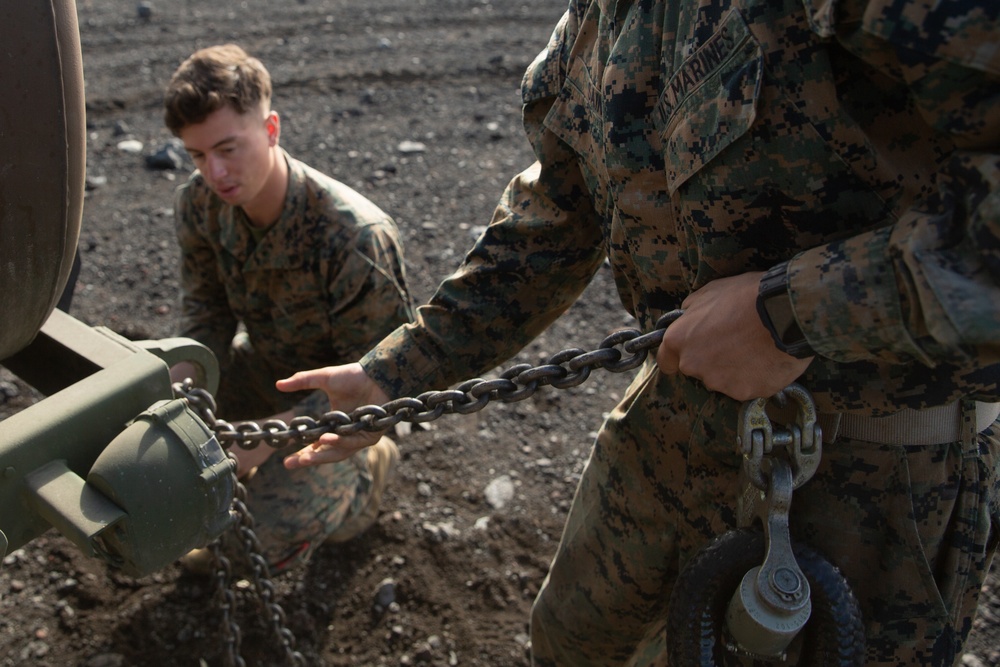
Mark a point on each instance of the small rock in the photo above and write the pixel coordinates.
(439, 532)
(423, 653)
(495, 132)
(167, 157)
(17, 555)
(385, 594)
(499, 492)
(411, 147)
(131, 146)
(94, 182)
(34, 649)
(67, 614)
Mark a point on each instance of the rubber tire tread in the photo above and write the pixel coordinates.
(833, 637)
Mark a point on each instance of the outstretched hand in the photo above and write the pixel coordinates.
(348, 387)
(721, 341)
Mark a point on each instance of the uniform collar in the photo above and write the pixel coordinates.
(279, 246)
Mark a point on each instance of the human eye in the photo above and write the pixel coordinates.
(231, 145)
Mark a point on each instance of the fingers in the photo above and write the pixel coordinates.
(347, 386)
(304, 380)
(720, 341)
(330, 448)
(667, 358)
(314, 455)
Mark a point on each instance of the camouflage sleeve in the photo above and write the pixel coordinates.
(926, 287)
(540, 250)
(205, 314)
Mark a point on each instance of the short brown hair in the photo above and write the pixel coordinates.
(212, 78)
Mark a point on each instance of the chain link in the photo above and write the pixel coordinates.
(232, 636)
(563, 370)
(263, 585)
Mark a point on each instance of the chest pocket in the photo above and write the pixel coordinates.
(710, 100)
(577, 118)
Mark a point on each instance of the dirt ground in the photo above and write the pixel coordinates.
(414, 103)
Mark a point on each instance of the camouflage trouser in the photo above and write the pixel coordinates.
(296, 510)
(909, 527)
(293, 510)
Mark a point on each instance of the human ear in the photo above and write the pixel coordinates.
(273, 125)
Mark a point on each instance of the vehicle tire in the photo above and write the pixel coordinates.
(697, 636)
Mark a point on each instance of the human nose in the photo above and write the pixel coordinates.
(215, 166)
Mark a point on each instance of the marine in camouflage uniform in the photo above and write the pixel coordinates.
(318, 286)
(692, 143)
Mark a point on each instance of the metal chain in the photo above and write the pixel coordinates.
(565, 369)
(263, 585)
(232, 636)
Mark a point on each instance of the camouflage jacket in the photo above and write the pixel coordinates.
(321, 286)
(687, 141)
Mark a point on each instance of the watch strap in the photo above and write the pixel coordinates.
(774, 306)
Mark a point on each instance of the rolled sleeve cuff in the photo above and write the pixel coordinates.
(403, 366)
(847, 301)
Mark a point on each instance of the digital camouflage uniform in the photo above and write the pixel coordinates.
(688, 141)
(317, 289)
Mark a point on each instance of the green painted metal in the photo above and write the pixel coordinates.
(157, 481)
(109, 458)
(175, 483)
(61, 497)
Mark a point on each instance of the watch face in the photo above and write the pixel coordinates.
(779, 309)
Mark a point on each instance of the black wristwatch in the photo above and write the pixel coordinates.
(775, 309)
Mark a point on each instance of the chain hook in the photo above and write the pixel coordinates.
(801, 440)
(772, 603)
